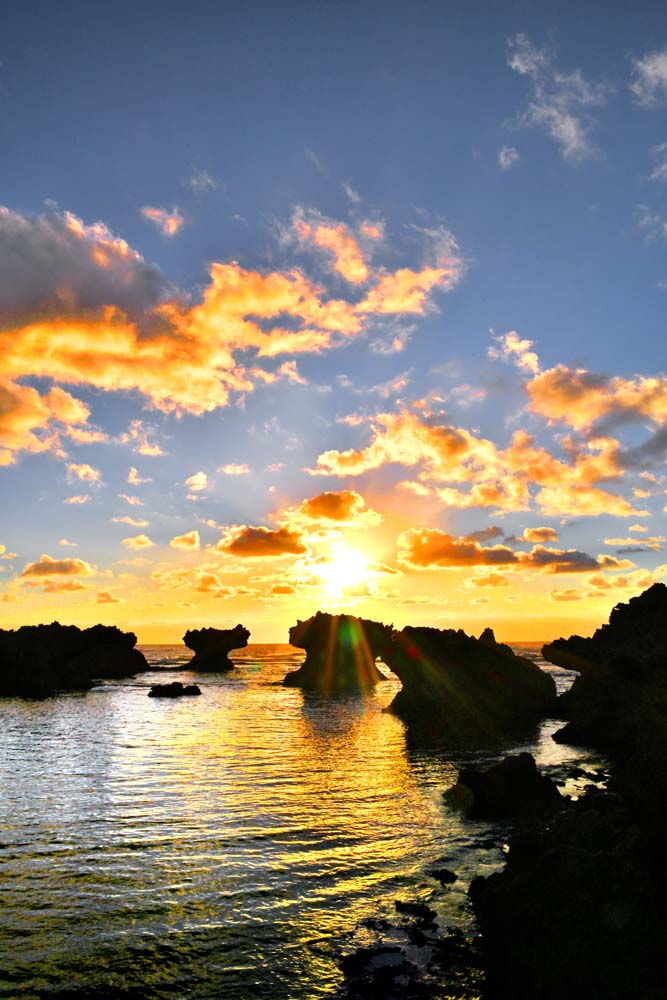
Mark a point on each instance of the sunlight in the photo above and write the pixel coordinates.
(345, 568)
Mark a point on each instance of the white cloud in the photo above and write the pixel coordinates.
(507, 157)
(559, 102)
(659, 154)
(201, 181)
(649, 79)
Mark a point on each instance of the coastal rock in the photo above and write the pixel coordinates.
(173, 690)
(511, 789)
(38, 660)
(211, 646)
(340, 653)
(576, 910)
(459, 688)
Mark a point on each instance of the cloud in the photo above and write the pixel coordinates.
(137, 542)
(104, 597)
(559, 102)
(86, 473)
(489, 580)
(507, 157)
(281, 589)
(201, 181)
(140, 437)
(234, 469)
(67, 544)
(132, 500)
(503, 478)
(47, 566)
(425, 548)
(62, 586)
(336, 238)
(539, 535)
(512, 347)
(168, 223)
(190, 540)
(659, 154)
(133, 522)
(649, 79)
(351, 194)
(135, 479)
(342, 507)
(565, 595)
(261, 542)
(79, 498)
(78, 306)
(197, 482)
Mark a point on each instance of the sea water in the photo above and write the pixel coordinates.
(226, 846)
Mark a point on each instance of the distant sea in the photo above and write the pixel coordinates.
(227, 846)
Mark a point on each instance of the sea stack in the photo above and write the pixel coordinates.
(458, 688)
(340, 653)
(212, 645)
(38, 660)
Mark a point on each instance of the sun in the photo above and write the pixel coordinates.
(345, 567)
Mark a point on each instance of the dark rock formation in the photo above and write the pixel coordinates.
(461, 688)
(38, 660)
(511, 789)
(211, 646)
(576, 911)
(340, 653)
(173, 690)
(442, 875)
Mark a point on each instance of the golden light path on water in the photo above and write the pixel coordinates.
(229, 845)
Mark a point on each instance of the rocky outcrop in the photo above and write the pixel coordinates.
(212, 645)
(173, 690)
(38, 660)
(576, 911)
(460, 688)
(340, 653)
(511, 789)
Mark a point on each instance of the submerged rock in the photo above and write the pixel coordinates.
(211, 646)
(513, 788)
(38, 660)
(173, 690)
(460, 688)
(340, 653)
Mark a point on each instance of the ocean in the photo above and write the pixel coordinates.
(230, 846)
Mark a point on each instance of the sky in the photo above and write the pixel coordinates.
(332, 306)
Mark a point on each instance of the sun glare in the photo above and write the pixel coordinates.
(345, 568)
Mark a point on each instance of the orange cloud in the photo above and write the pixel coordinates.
(581, 398)
(197, 482)
(62, 586)
(27, 419)
(511, 346)
(135, 479)
(104, 597)
(132, 500)
(234, 469)
(169, 223)
(190, 540)
(84, 472)
(348, 258)
(47, 566)
(260, 542)
(137, 542)
(540, 535)
(79, 498)
(343, 507)
(426, 548)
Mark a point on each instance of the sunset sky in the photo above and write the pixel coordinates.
(338, 306)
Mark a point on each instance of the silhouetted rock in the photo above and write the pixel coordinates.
(421, 912)
(443, 875)
(513, 788)
(457, 687)
(340, 653)
(576, 911)
(38, 660)
(173, 690)
(211, 646)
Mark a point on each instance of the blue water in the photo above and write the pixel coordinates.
(224, 846)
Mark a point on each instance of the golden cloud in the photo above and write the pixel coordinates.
(261, 542)
(197, 482)
(169, 223)
(540, 535)
(133, 522)
(234, 469)
(190, 540)
(79, 499)
(342, 507)
(105, 597)
(86, 473)
(137, 542)
(47, 566)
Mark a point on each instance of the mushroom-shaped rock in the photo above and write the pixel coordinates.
(38, 660)
(211, 646)
(458, 688)
(511, 789)
(340, 653)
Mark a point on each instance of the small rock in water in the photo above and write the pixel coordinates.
(173, 690)
(420, 911)
(443, 875)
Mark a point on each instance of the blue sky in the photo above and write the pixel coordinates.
(523, 146)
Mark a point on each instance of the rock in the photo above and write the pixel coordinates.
(510, 789)
(38, 660)
(173, 690)
(576, 910)
(420, 911)
(458, 688)
(211, 646)
(340, 653)
(442, 875)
